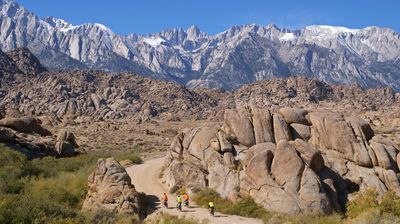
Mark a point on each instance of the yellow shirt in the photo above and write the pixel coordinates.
(211, 204)
(179, 199)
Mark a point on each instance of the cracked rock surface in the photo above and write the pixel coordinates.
(256, 152)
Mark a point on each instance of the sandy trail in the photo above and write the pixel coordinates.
(145, 178)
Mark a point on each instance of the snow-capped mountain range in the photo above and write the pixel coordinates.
(230, 59)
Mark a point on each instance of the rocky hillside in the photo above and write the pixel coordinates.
(230, 59)
(30, 90)
(305, 92)
(289, 160)
(26, 62)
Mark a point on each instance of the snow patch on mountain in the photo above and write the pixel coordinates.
(288, 37)
(153, 41)
(69, 28)
(103, 27)
(323, 31)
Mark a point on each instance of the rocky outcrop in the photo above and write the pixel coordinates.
(110, 188)
(301, 162)
(26, 62)
(27, 135)
(66, 143)
(28, 125)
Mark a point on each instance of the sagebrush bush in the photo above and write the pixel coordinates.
(368, 207)
(244, 207)
(390, 204)
(51, 190)
(362, 202)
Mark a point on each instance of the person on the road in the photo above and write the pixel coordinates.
(179, 203)
(164, 200)
(211, 207)
(186, 199)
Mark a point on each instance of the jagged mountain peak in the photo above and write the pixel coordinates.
(3, 2)
(64, 26)
(194, 32)
(10, 7)
(57, 23)
(193, 28)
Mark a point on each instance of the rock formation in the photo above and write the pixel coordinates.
(26, 135)
(289, 160)
(28, 89)
(110, 188)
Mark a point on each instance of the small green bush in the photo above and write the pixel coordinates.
(129, 156)
(390, 204)
(246, 207)
(361, 202)
(366, 208)
(13, 167)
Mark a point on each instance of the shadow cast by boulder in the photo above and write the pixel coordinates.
(152, 202)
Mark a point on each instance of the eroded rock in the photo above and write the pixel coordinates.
(316, 173)
(110, 188)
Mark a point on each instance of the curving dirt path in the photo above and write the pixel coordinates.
(145, 178)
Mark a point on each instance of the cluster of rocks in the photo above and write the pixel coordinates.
(289, 160)
(26, 62)
(110, 188)
(28, 88)
(105, 95)
(302, 91)
(26, 135)
(114, 96)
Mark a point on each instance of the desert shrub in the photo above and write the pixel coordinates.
(362, 202)
(129, 156)
(369, 216)
(390, 204)
(50, 190)
(13, 167)
(367, 208)
(244, 207)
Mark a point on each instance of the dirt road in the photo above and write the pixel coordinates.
(145, 178)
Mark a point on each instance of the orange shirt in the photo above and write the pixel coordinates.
(164, 197)
(186, 197)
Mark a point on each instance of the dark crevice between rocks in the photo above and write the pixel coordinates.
(250, 112)
(340, 186)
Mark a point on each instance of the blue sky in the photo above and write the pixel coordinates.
(213, 16)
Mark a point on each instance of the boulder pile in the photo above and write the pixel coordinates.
(291, 160)
(27, 135)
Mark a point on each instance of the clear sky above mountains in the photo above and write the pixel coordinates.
(213, 16)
